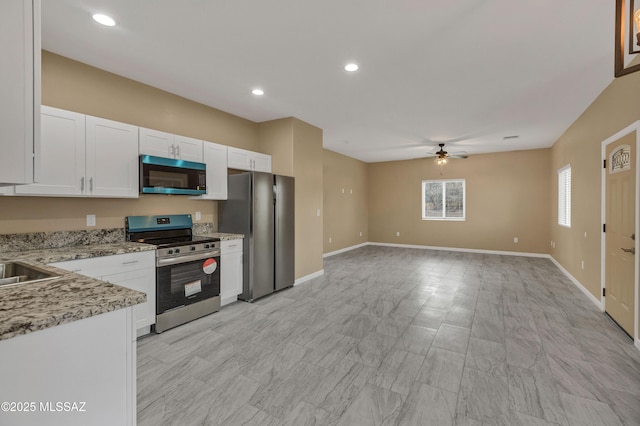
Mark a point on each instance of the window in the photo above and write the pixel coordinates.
(564, 196)
(443, 199)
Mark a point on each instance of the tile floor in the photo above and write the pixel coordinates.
(394, 336)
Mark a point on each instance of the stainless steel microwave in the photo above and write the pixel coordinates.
(159, 175)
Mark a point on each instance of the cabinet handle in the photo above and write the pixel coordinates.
(82, 184)
(172, 151)
(177, 151)
(90, 184)
(130, 262)
(233, 245)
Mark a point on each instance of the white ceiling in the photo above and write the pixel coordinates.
(469, 72)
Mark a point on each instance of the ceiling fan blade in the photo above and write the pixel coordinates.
(459, 154)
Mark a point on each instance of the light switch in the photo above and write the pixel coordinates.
(91, 220)
(198, 215)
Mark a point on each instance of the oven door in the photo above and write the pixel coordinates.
(183, 282)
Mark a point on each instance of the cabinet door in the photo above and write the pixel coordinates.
(62, 169)
(261, 162)
(239, 159)
(188, 149)
(215, 157)
(230, 271)
(112, 158)
(20, 89)
(143, 280)
(154, 142)
(132, 270)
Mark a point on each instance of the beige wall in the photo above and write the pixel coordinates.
(616, 107)
(507, 196)
(38, 214)
(276, 139)
(346, 202)
(307, 169)
(75, 86)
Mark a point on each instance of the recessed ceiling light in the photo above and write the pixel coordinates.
(351, 67)
(104, 19)
(258, 92)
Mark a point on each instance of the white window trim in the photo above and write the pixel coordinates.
(566, 208)
(464, 200)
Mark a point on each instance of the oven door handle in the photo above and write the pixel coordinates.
(188, 258)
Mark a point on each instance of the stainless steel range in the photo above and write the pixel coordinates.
(187, 267)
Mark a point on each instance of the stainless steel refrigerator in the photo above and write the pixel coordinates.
(261, 206)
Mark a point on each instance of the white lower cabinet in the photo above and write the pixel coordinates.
(231, 270)
(136, 271)
(74, 374)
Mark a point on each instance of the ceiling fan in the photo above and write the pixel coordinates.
(442, 156)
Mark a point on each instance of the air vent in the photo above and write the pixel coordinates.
(511, 137)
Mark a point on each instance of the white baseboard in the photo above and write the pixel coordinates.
(309, 277)
(342, 250)
(578, 284)
(464, 250)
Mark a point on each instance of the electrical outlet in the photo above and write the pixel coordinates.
(351, 191)
(361, 233)
(585, 234)
(515, 240)
(91, 220)
(318, 212)
(329, 240)
(582, 264)
(343, 190)
(398, 234)
(198, 216)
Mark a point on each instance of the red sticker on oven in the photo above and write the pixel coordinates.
(209, 266)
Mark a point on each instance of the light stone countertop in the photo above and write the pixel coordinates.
(31, 307)
(222, 235)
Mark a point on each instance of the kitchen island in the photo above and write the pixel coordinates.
(67, 345)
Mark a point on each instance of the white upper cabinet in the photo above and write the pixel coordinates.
(112, 158)
(243, 159)
(85, 156)
(215, 157)
(20, 91)
(62, 170)
(156, 143)
(188, 149)
(261, 162)
(162, 144)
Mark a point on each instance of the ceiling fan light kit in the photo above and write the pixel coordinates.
(442, 156)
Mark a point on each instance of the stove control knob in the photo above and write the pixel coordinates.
(207, 246)
(177, 251)
(193, 248)
(169, 251)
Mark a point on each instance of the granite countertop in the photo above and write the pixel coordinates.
(31, 307)
(222, 235)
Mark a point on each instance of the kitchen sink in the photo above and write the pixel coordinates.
(14, 273)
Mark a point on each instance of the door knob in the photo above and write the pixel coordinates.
(631, 250)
